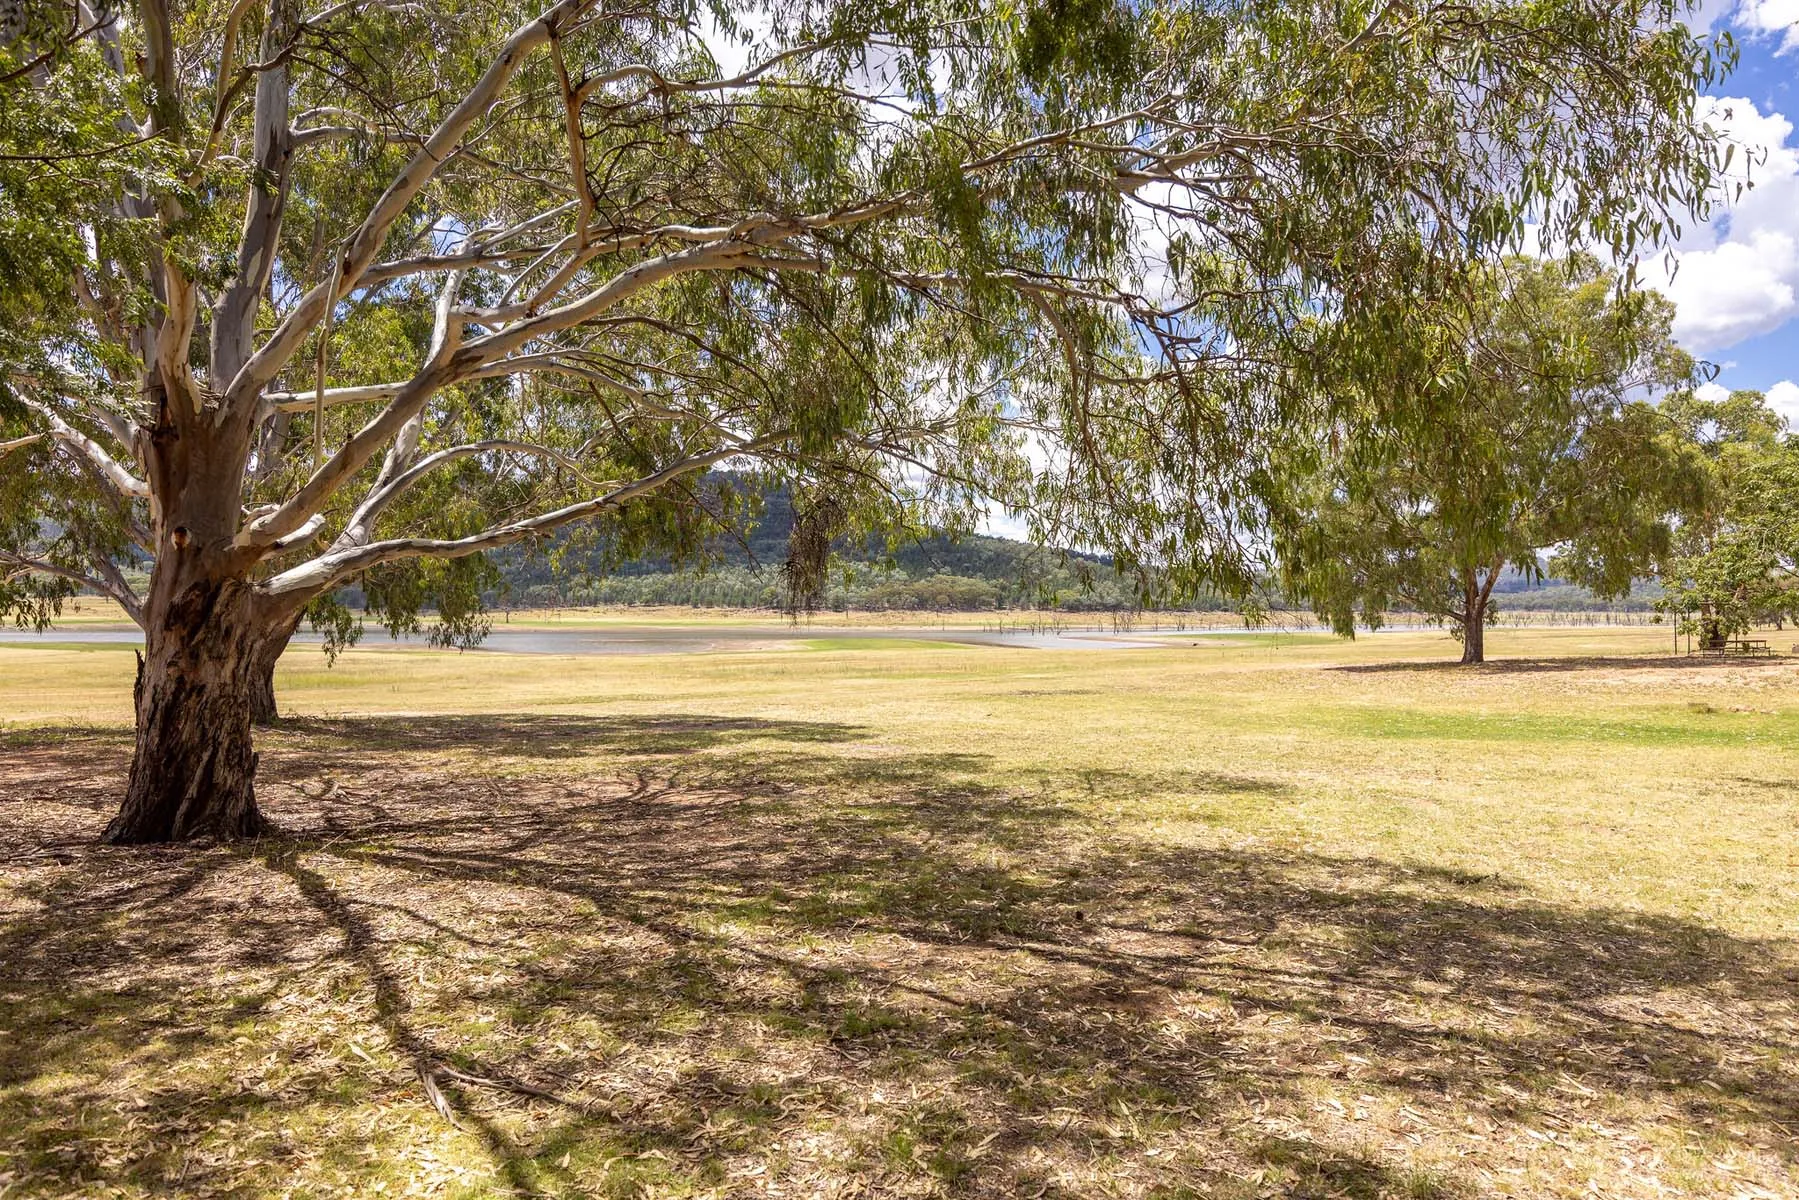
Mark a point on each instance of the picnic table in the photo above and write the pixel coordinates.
(1744, 647)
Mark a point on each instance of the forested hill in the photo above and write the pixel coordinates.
(1514, 591)
(935, 573)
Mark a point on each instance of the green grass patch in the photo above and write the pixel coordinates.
(1285, 916)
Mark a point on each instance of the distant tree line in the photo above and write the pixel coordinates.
(933, 573)
(976, 573)
(746, 588)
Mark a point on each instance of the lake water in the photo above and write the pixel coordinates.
(699, 639)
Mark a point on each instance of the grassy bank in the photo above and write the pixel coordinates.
(1245, 916)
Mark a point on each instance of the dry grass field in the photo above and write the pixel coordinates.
(1271, 916)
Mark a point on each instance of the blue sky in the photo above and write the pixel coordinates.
(1737, 286)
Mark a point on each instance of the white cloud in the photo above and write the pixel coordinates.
(732, 51)
(1707, 14)
(1783, 398)
(1770, 17)
(1739, 276)
(997, 522)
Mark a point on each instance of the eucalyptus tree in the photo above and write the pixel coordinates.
(411, 281)
(61, 143)
(1735, 559)
(1543, 439)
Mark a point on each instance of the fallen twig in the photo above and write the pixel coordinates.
(508, 1085)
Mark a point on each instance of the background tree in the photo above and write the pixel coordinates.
(416, 281)
(1734, 560)
(1536, 446)
(63, 523)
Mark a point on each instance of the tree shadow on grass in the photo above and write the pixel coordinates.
(550, 736)
(698, 954)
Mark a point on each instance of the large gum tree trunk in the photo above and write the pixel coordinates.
(266, 654)
(194, 769)
(1474, 632)
(1473, 617)
(205, 630)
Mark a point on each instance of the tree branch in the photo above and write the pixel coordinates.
(369, 512)
(298, 402)
(322, 573)
(234, 317)
(122, 594)
(120, 589)
(359, 252)
(127, 483)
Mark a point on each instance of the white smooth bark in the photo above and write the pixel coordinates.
(322, 573)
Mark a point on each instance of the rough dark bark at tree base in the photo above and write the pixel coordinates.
(263, 711)
(267, 653)
(193, 771)
(1474, 630)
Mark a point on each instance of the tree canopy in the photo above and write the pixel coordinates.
(1734, 563)
(1543, 440)
(376, 287)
